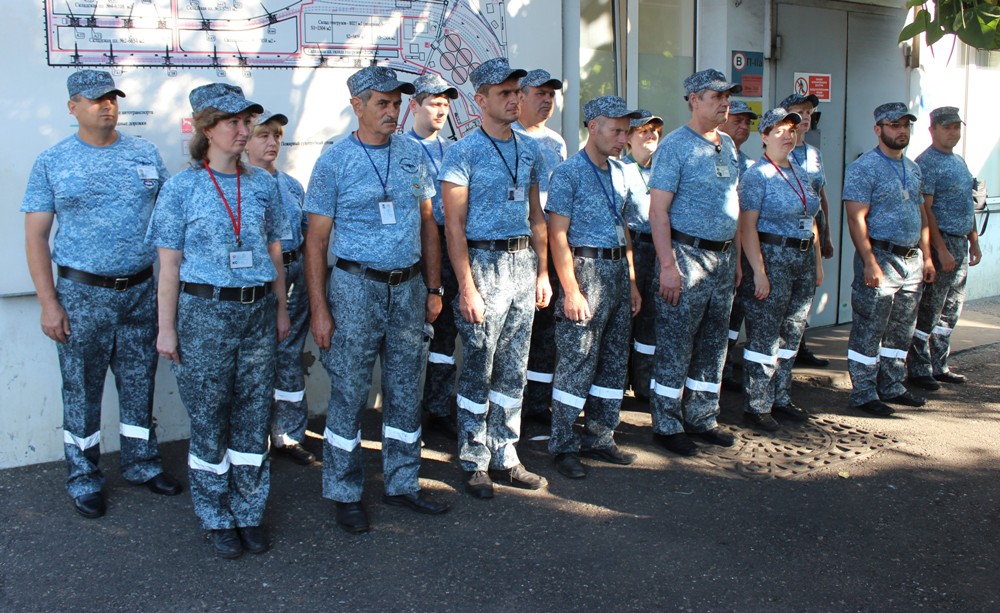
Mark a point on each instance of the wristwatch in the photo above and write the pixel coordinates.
(437, 291)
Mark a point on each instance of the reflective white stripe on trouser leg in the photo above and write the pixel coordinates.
(663, 390)
(400, 435)
(196, 463)
(83, 443)
(921, 335)
(702, 386)
(643, 348)
(470, 406)
(941, 331)
(505, 401)
(340, 442)
(759, 358)
(895, 354)
(540, 377)
(440, 358)
(606, 392)
(130, 431)
(787, 354)
(734, 334)
(289, 396)
(243, 458)
(568, 399)
(862, 358)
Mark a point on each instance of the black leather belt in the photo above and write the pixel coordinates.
(243, 295)
(604, 253)
(802, 244)
(699, 243)
(510, 245)
(906, 252)
(389, 277)
(119, 284)
(290, 256)
(641, 237)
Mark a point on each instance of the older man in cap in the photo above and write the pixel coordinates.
(693, 212)
(592, 251)
(102, 185)
(498, 245)
(951, 220)
(885, 215)
(375, 189)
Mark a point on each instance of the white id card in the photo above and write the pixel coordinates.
(904, 194)
(240, 259)
(147, 172)
(721, 169)
(805, 223)
(388, 212)
(515, 194)
(621, 235)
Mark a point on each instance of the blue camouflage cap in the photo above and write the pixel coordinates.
(945, 116)
(643, 118)
(607, 106)
(709, 79)
(892, 111)
(540, 78)
(379, 78)
(222, 97)
(495, 71)
(266, 116)
(775, 116)
(92, 84)
(738, 107)
(431, 83)
(794, 99)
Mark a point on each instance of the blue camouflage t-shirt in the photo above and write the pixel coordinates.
(473, 162)
(347, 186)
(434, 149)
(292, 198)
(702, 177)
(191, 216)
(637, 210)
(593, 199)
(947, 178)
(778, 198)
(878, 182)
(745, 163)
(809, 158)
(553, 149)
(102, 198)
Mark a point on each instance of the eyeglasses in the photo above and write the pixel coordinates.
(896, 125)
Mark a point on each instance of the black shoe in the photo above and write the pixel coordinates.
(164, 485)
(254, 539)
(479, 484)
(950, 377)
(805, 357)
(612, 455)
(926, 382)
(416, 502)
(519, 476)
(791, 412)
(569, 466)
(715, 436)
(444, 425)
(352, 518)
(90, 505)
(906, 399)
(543, 418)
(297, 453)
(732, 384)
(876, 407)
(761, 421)
(226, 543)
(678, 443)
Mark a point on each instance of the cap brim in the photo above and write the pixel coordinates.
(99, 92)
(395, 86)
(725, 86)
(264, 118)
(947, 121)
(644, 121)
(449, 92)
(553, 83)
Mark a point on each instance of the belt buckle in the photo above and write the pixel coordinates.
(395, 278)
(804, 244)
(616, 253)
(121, 284)
(725, 246)
(243, 295)
(911, 253)
(514, 244)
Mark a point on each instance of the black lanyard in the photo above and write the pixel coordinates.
(517, 160)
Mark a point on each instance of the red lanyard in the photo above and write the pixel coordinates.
(238, 218)
(801, 193)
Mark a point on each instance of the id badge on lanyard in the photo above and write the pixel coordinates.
(805, 223)
(387, 210)
(515, 194)
(240, 257)
(721, 168)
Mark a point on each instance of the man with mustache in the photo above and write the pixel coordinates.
(886, 219)
(374, 190)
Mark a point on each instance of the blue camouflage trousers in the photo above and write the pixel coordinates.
(373, 320)
(495, 359)
(884, 319)
(644, 326)
(440, 379)
(775, 324)
(117, 330)
(291, 411)
(939, 311)
(736, 317)
(592, 358)
(691, 341)
(542, 353)
(226, 382)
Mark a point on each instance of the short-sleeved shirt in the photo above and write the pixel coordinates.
(347, 186)
(475, 163)
(593, 199)
(292, 198)
(809, 157)
(637, 211)
(702, 177)
(777, 195)
(947, 178)
(745, 163)
(102, 198)
(877, 181)
(191, 216)
(554, 151)
(434, 149)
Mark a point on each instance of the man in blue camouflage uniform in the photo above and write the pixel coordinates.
(591, 248)
(693, 211)
(430, 105)
(102, 186)
(951, 220)
(489, 182)
(889, 229)
(374, 190)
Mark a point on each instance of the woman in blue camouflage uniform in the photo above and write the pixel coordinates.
(217, 226)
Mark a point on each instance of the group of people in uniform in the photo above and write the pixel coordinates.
(569, 278)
